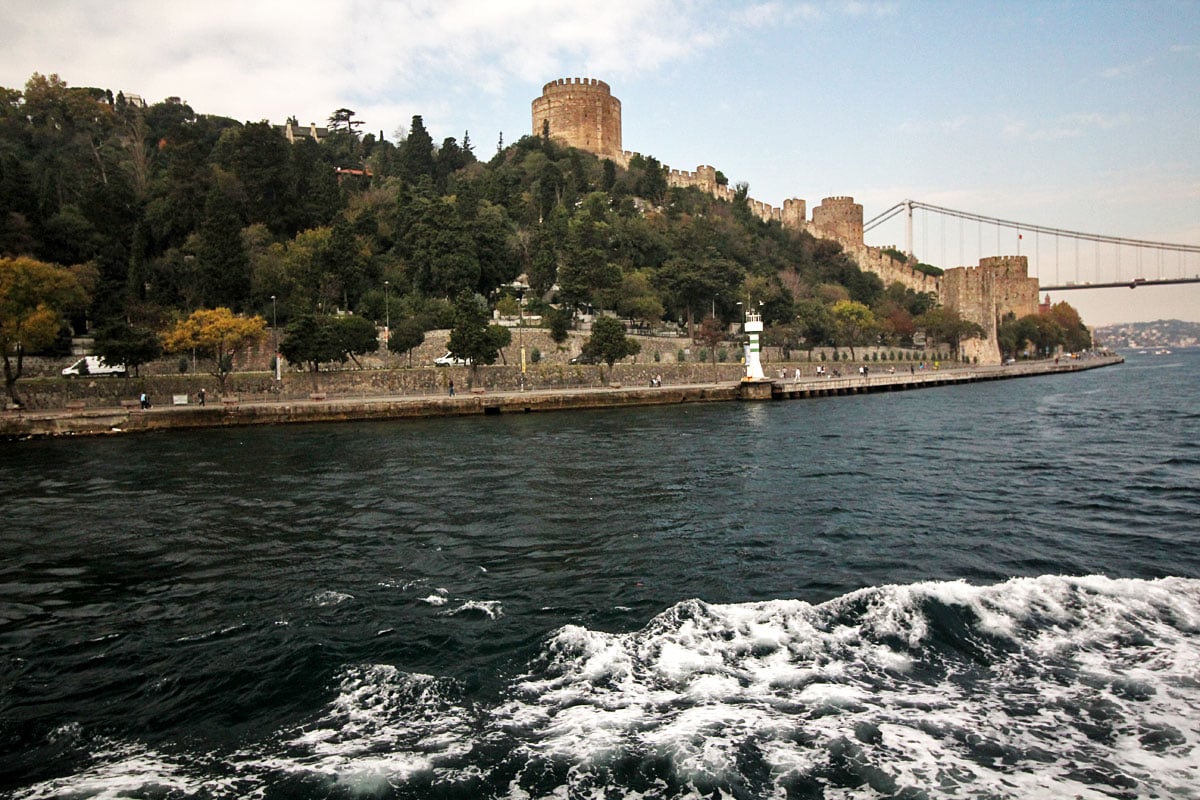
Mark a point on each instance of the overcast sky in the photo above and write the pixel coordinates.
(1076, 115)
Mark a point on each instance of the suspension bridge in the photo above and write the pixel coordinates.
(1061, 259)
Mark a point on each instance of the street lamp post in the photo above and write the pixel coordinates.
(520, 288)
(275, 338)
(387, 319)
(521, 331)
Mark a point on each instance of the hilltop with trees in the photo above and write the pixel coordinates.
(171, 211)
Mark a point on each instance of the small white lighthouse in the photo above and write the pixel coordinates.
(754, 327)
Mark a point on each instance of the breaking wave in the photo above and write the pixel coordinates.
(1051, 687)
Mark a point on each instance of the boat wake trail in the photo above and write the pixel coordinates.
(1050, 686)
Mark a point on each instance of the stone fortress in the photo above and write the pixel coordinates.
(583, 113)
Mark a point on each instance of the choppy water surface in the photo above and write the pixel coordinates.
(975, 591)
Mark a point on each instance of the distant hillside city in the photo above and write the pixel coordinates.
(1161, 333)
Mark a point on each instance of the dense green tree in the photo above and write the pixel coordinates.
(441, 251)
(637, 300)
(559, 322)
(1012, 335)
(587, 273)
(608, 342)
(710, 334)
(472, 338)
(492, 236)
(690, 286)
(815, 323)
(344, 143)
(448, 159)
(501, 337)
(224, 265)
(314, 197)
(356, 336)
(122, 343)
(310, 341)
(345, 265)
(545, 244)
(854, 323)
(415, 158)
(315, 339)
(946, 325)
(406, 335)
(548, 189)
(1076, 336)
(1044, 332)
(258, 159)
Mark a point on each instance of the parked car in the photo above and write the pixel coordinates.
(584, 358)
(93, 365)
(450, 361)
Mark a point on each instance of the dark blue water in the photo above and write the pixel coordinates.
(979, 591)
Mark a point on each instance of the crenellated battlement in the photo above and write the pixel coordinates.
(576, 84)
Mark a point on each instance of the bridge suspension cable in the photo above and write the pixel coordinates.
(1113, 245)
(1025, 227)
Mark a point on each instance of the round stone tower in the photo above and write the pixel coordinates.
(580, 112)
(841, 218)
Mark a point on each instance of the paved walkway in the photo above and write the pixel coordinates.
(22, 424)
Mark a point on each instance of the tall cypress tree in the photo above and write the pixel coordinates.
(416, 153)
(224, 268)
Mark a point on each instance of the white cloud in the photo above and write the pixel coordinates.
(271, 58)
(1122, 70)
(923, 127)
(1069, 126)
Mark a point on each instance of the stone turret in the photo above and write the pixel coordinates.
(840, 218)
(986, 294)
(582, 113)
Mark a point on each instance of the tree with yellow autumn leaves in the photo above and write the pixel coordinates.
(216, 333)
(35, 298)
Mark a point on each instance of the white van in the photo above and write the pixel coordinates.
(450, 361)
(93, 365)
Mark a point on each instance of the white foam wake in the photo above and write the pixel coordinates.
(1041, 687)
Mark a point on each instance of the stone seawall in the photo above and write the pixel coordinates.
(47, 394)
(234, 412)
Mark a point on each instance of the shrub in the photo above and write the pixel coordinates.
(535, 355)
(681, 356)
(183, 365)
(657, 356)
(722, 355)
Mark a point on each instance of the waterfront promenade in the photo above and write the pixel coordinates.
(15, 424)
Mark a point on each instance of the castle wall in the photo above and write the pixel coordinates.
(582, 113)
(889, 270)
(986, 294)
(1016, 292)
